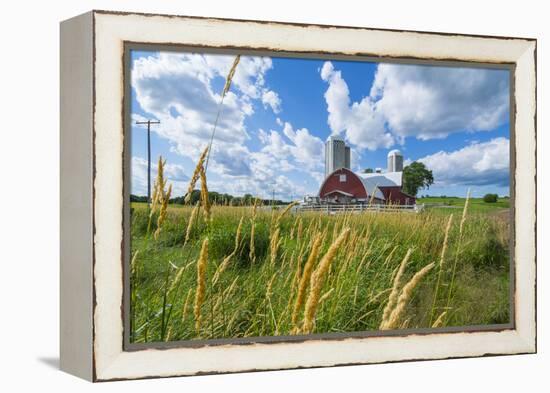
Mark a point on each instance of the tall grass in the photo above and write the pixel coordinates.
(264, 272)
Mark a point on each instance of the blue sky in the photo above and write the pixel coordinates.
(280, 111)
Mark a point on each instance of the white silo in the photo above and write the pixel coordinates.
(337, 154)
(395, 161)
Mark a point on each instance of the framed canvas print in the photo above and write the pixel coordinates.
(246, 195)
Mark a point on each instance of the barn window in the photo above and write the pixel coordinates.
(342, 178)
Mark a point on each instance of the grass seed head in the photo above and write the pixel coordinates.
(274, 245)
(163, 211)
(392, 299)
(440, 319)
(397, 313)
(205, 201)
(306, 276)
(201, 284)
(464, 212)
(317, 280)
(230, 75)
(195, 176)
(192, 219)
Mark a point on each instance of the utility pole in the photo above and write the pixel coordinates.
(148, 122)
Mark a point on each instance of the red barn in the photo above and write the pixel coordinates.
(346, 187)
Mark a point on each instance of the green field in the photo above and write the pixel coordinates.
(270, 291)
(475, 205)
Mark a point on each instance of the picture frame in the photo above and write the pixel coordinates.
(94, 266)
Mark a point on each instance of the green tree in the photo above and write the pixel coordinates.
(415, 177)
(490, 198)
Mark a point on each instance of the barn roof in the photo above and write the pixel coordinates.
(388, 179)
(371, 187)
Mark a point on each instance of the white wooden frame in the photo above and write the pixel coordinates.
(92, 194)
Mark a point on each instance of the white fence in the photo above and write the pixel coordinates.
(357, 208)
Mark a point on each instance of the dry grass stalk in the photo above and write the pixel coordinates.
(201, 284)
(397, 313)
(154, 200)
(196, 175)
(204, 196)
(269, 289)
(133, 263)
(304, 281)
(186, 304)
(276, 219)
(375, 298)
(405, 324)
(464, 212)
(441, 263)
(301, 253)
(158, 191)
(286, 210)
(238, 235)
(168, 334)
(459, 245)
(300, 230)
(274, 245)
(252, 252)
(317, 280)
(326, 295)
(445, 241)
(335, 230)
(230, 75)
(192, 219)
(292, 230)
(389, 257)
(231, 287)
(439, 321)
(158, 187)
(177, 279)
(289, 262)
(163, 211)
(296, 277)
(228, 258)
(392, 299)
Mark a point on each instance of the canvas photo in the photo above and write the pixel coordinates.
(290, 196)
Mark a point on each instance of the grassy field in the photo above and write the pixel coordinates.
(265, 273)
(475, 205)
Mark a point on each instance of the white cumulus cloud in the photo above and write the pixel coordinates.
(424, 102)
(432, 102)
(298, 149)
(271, 99)
(177, 89)
(478, 164)
(362, 124)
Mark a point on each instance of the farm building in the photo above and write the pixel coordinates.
(343, 186)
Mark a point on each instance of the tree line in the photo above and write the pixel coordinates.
(217, 198)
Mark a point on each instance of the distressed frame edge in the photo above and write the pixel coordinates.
(526, 339)
(526, 121)
(305, 24)
(76, 207)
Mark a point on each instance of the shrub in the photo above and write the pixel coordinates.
(490, 198)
